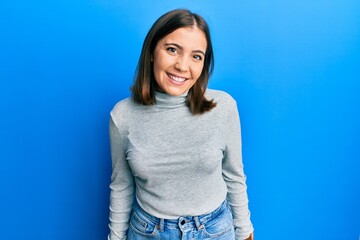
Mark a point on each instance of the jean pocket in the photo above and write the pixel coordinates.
(220, 226)
(141, 226)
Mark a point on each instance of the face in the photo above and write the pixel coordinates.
(179, 60)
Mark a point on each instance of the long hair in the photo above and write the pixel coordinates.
(144, 86)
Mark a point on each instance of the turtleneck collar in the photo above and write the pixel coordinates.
(164, 100)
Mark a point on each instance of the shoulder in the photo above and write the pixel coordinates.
(122, 110)
(220, 97)
(121, 106)
(226, 105)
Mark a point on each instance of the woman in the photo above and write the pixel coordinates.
(175, 145)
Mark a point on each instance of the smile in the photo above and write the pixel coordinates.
(176, 78)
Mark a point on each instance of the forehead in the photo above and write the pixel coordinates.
(187, 37)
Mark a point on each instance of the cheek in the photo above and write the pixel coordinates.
(197, 71)
(157, 70)
(160, 64)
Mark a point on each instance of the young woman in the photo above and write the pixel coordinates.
(176, 148)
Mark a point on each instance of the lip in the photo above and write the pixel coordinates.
(174, 82)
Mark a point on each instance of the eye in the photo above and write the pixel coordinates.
(198, 57)
(171, 50)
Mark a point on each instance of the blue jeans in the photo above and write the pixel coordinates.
(215, 225)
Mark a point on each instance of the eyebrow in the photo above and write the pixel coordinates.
(181, 48)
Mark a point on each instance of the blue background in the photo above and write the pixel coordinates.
(292, 66)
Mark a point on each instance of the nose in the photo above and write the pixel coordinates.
(182, 64)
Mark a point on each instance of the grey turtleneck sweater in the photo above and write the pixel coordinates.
(178, 164)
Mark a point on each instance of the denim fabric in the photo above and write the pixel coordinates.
(215, 225)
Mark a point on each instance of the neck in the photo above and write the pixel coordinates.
(164, 100)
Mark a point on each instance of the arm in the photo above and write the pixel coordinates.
(234, 176)
(122, 184)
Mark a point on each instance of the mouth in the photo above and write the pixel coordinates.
(176, 79)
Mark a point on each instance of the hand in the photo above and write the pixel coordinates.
(251, 237)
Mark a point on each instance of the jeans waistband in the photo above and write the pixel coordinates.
(198, 220)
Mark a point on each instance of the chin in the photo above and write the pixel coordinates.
(176, 92)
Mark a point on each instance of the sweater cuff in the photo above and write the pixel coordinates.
(243, 232)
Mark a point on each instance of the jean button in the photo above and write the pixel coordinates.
(182, 222)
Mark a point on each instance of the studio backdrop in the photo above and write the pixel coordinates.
(292, 66)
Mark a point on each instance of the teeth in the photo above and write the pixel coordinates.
(178, 79)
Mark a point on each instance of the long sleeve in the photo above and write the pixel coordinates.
(122, 183)
(234, 176)
(183, 165)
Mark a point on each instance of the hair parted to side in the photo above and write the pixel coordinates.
(144, 86)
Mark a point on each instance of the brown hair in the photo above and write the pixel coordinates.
(143, 89)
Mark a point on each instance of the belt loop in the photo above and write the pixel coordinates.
(161, 225)
(197, 223)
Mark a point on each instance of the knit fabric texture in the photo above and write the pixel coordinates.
(176, 163)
